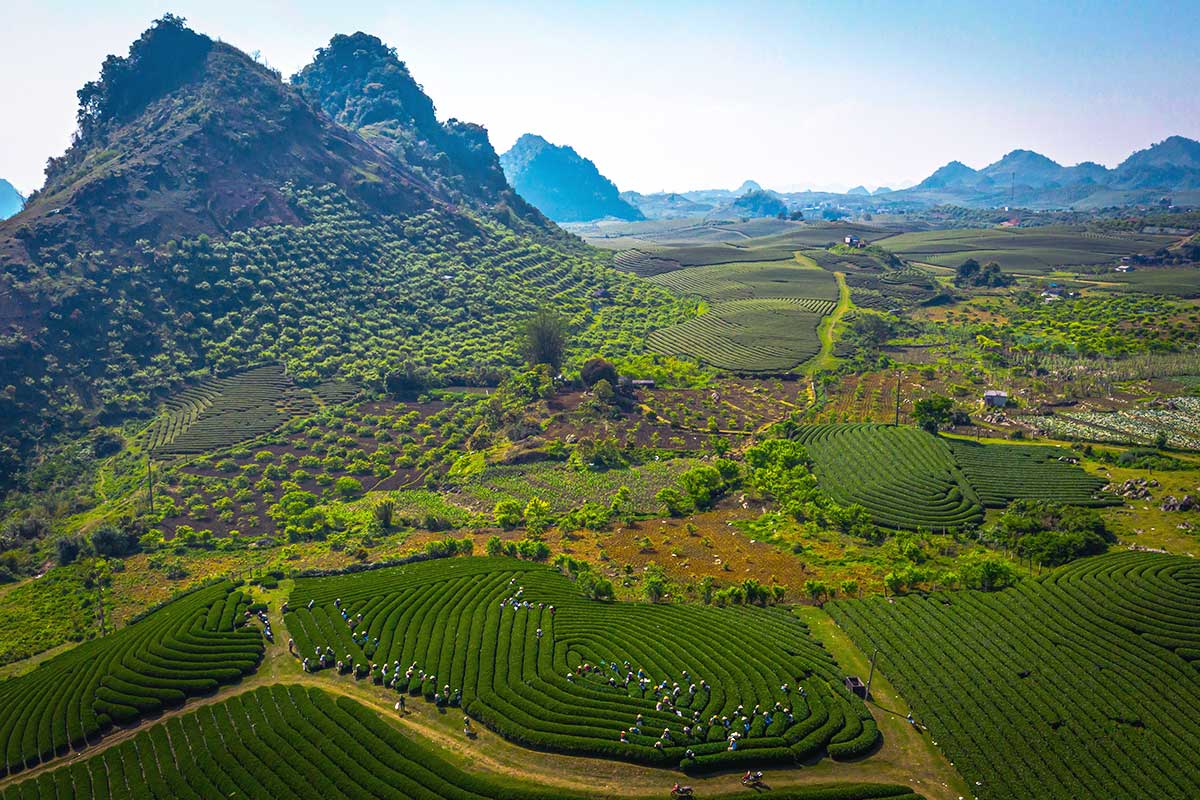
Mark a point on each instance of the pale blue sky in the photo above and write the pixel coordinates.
(682, 95)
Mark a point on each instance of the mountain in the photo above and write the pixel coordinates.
(953, 174)
(858, 190)
(1031, 179)
(209, 217)
(666, 205)
(757, 203)
(747, 187)
(363, 85)
(10, 199)
(1173, 163)
(562, 184)
(1026, 168)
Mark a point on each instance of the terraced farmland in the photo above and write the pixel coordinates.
(907, 478)
(745, 281)
(1003, 473)
(186, 648)
(224, 411)
(1034, 250)
(1077, 685)
(904, 477)
(748, 336)
(524, 653)
(304, 743)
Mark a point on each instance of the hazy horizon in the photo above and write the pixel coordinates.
(694, 95)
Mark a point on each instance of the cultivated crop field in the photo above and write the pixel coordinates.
(307, 743)
(747, 336)
(1022, 250)
(1079, 684)
(522, 652)
(566, 488)
(907, 478)
(224, 411)
(187, 648)
(1178, 419)
(744, 281)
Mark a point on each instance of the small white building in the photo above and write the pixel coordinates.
(994, 398)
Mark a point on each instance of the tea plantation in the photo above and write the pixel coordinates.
(304, 743)
(521, 650)
(907, 478)
(1080, 684)
(186, 648)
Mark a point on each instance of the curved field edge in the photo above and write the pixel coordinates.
(306, 743)
(519, 649)
(1074, 685)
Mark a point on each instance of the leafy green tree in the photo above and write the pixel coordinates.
(545, 339)
(815, 589)
(495, 546)
(598, 369)
(347, 487)
(654, 582)
(674, 503)
(931, 413)
(849, 588)
(537, 515)
(384, 511)
(67, 549)
(110, 541)
(507, 513)
(703, 485)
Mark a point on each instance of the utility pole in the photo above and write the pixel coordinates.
(150, 481)
(897, 397)
(871, 674)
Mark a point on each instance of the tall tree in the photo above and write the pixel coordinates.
(545, 338)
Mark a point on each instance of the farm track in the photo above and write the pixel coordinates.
(893, 762)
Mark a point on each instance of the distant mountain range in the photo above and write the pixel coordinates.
(1026, 178)
(562, 184)
(10, 199)
(1022, 178)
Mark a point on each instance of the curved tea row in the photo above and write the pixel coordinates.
(291, 741)
(1083, 684)
(187, 647)
(523, 652)
(907, 478)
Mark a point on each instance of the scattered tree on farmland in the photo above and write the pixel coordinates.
(931, 413)
(987, 572)
(597, 369)
(495, 546)
(849, 588)
(873, 330)
(67, 549)
(537, 515)
(703, 485)
(654, 582)
(1052, 533)
(507, 513)
(815, 589)
(384, 511)
(674, 503)
(347, 487)
(545, 339)
(110, 541)
(969, 274)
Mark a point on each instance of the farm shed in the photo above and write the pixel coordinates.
(855, 685)
(994, 398)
